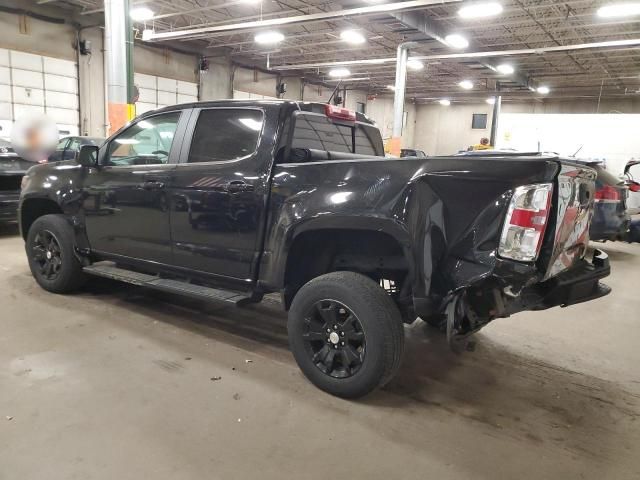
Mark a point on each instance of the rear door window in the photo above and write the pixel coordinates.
(225, 135)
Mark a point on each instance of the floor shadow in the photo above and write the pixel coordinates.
(514, 395)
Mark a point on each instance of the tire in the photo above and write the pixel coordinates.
(367, 320)
(65, 274)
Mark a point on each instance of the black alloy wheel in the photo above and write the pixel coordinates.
(47, 254)
(53, 260)
(346, 333)
(334, 339)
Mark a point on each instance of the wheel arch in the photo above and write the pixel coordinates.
(33, 208)
(319, 249)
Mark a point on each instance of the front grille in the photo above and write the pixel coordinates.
(10, 183)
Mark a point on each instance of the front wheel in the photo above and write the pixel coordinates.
(346, 334)
(52, 260)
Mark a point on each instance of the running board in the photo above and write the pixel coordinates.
(167, 285)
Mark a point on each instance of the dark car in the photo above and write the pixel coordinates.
(232, 200)
(12, 169)
(611, 220)
(68, 147)
(410, 152)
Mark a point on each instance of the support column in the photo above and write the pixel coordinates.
(395, 144)
(495, 119)
(119, 63)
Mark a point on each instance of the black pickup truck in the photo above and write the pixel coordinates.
(232, 200)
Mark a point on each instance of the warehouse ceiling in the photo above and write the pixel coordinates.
(309, 46)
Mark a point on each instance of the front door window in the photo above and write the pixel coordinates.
(147, 142)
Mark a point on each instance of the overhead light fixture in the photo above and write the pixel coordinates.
(505, 69)
(141, 14)
(619, 10)
(543, 90)
(445, 102)
(391, 87)
(352, 36)
(480, 10)
(414, 64)
(466, 84)
(146, 34)
(456, 40)
(268, 38)
(339, 72)
(491, 101)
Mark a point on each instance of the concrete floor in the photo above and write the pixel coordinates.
(116, 383)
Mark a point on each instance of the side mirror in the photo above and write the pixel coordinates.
(88, 156)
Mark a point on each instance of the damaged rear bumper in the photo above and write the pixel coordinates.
(579, 284)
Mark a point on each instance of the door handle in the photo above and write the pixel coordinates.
(238, 186)
(151, 185)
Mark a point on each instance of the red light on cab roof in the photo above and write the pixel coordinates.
(339, 113)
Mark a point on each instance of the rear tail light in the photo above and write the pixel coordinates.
(339, 113)
(526, 222)
(608, 194)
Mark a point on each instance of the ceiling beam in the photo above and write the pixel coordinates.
(426, 25)
(296, 20)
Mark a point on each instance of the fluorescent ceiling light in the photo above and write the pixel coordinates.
(491, 101)
(352, 36)
(466, 84)
(415, 64)
(543, 90)
(140, 14)
(391, 87)
(619, 10)
(445, 102)
(480, 10)
(456, 41)
(339, 72)
(269, 38)
(505, 69)
(146, 34)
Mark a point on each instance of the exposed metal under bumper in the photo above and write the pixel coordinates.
(579, 284)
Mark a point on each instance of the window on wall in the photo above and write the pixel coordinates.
(225, 134)
(479, 121)
(360, 107)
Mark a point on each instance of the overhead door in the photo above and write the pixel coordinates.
(157, 92)
(34, 84)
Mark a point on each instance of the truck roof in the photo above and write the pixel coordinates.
(316, 107)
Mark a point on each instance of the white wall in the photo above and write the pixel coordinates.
(445, 130)
(611, 138)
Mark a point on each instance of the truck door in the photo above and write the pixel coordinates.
(126, 203)
(219, 189)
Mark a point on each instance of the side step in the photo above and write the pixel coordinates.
(167, 285)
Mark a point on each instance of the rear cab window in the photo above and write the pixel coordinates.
(316, 131)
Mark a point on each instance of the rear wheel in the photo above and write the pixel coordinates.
(52, 260)
(346, 334)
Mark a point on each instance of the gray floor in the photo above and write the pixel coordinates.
(116, 383)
